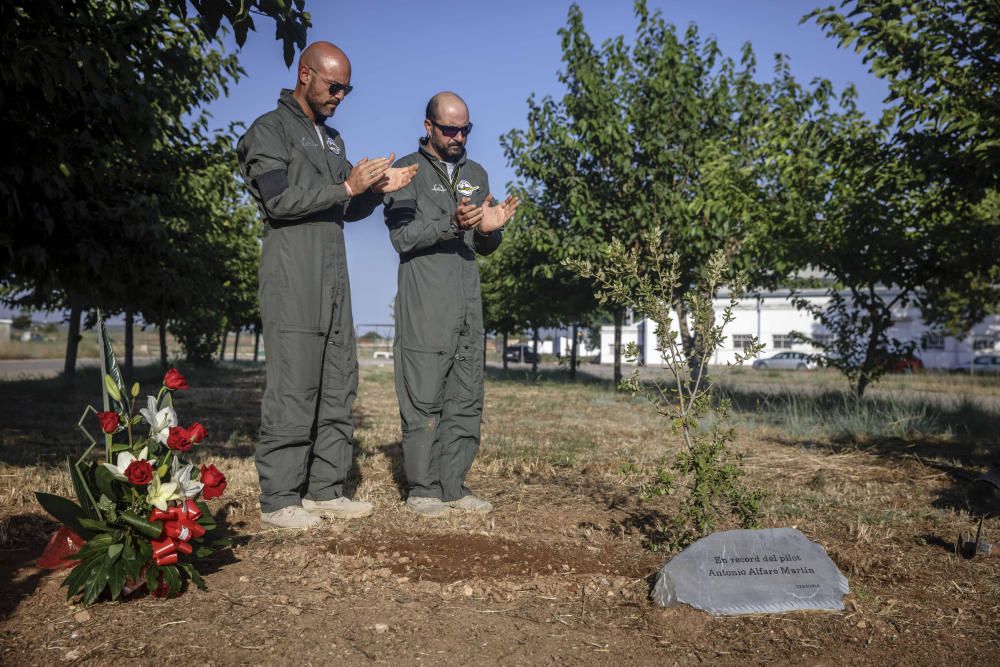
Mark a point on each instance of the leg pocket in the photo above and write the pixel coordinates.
(297, 381)
(424, 374)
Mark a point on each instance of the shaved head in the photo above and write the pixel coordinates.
(445, 113)
(445, 102)
(322, 67)
(324, 56)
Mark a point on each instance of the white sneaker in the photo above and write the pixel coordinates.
(338, 508)
(292, 516)
(471, 503)
(432, 507)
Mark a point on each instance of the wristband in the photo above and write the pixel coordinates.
(347, 187)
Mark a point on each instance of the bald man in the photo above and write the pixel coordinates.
(296, 169)
(438, 223)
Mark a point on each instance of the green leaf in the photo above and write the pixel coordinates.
(106, 485)
(114, 551)
(96, 525)
(116, 579)
(150, 529)
(64, 511)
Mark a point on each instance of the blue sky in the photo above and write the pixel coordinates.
(495, 55)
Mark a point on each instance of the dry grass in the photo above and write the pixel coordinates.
(563, 464)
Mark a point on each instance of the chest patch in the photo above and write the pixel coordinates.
(309, 143)
(465, 188)
(332, 145)
(437, 187)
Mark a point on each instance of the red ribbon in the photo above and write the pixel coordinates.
(179, 527)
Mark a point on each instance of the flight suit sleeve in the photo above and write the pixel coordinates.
(485, 244)
(361, 206)
(408, 232)
(264, 162)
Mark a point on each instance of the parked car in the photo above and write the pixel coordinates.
(909, 364)
(984, 364)
(520, 353)
(797, 361)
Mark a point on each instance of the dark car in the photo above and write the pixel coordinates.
(520, 354)
(909, 364)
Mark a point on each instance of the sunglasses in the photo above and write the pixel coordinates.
(452, 130)
(334, 86)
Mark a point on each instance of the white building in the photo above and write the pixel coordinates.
(771, 317)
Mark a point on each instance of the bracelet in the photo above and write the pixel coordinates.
(347, 187)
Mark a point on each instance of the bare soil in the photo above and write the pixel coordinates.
(559, 574)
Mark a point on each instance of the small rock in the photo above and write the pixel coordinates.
(294, 611)
(403, 559)
(81, 616)
(402, 580)
(467, 591)
(381, 628)
(72, 655)
(244, 579)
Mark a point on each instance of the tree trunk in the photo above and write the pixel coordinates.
(504, 353)
(572, 356)
(256, 341)
(689, 344)
(129, 343)
(72, 340)
(534, 342)
(236, 344)
(225, 338)
(163, 345)
(619, 320)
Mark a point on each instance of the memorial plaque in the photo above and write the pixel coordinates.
(752, 572)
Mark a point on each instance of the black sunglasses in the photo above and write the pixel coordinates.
(334, 86)
(452, 130)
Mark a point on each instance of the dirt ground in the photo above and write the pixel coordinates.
(559, 574)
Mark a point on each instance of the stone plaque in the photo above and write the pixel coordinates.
(752, 572)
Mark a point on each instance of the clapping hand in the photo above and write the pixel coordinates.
(395, 178)
(467, 215)
(368, 172)
(495, 217)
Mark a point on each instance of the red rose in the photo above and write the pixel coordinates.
(197, 432)
(174, 380)
(214, 481)
(109, 421)
(139, 472)
(179, 439)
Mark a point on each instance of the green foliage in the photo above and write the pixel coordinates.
(92, 188)
(21, 322)
(665, 133)
(706, 470)
(940, 61)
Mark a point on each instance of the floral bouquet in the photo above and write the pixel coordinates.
(138, 518)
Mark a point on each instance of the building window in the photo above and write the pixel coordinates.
(822, 340)
(932, 342)
(782, 341)
(742, 341)
(980, 343)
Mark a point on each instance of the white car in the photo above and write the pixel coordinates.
(796, 361)
(984, 364)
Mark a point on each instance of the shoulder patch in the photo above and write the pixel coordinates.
(466, 189)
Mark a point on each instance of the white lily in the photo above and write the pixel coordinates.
(124, 459)
(186, 487)
(159, 421)
(161, 493)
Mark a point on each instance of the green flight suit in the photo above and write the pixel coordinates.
(438, 349)
(305, 446)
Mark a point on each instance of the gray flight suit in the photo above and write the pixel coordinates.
(305, 446)
(438, 350)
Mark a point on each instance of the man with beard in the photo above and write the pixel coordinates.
(437, 224)
(296, 169)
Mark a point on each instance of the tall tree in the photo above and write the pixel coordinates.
(657, 135)
(100, 97)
